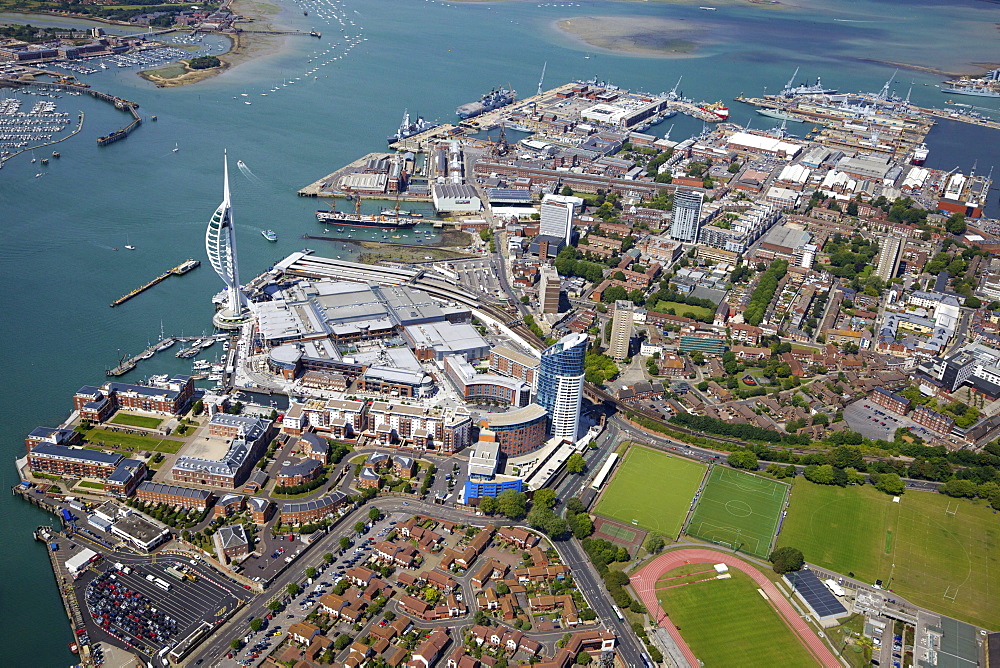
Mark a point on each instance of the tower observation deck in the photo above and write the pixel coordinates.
(220, 245)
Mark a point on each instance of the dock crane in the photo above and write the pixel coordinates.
(791, 82)
(673, 94)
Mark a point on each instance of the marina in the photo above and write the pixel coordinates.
(130, 362)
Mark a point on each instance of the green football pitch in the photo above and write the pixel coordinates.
(727, 623)
(937, 552)
(738, 510)
(652, 490)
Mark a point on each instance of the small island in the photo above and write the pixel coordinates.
(185, 71)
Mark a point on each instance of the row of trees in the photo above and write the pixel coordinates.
(767, 285)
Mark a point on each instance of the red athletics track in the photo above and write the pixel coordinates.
(644, 583)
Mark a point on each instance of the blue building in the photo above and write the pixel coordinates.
(560, 385)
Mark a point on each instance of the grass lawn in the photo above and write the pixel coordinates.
(942, 561)
(738, 508)
(651, 489)
(137, 420)
(680, 309)
(91, 485)
(727, 623)
(114, 439)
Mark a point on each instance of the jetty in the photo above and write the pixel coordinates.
(179, 270)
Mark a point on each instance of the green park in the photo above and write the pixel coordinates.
(931, 549)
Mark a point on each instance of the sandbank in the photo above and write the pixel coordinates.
(638, 35)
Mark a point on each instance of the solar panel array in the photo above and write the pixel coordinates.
(815, 593)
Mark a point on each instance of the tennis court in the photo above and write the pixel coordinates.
(738, 510)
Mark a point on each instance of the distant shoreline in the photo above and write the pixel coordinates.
(243, 47)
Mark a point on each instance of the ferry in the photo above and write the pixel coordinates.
(270, 235)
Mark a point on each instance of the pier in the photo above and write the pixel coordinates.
(127, 130)
(179, 270)
(962, 118)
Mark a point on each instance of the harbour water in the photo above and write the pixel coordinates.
(61, 230)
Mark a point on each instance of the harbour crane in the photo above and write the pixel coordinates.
(673, 95)
(791, 82)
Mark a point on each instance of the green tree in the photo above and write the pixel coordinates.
(575, 505)
(256, 623)
(310, 572)
(890, 483)
(581, 525)
(374, 514)
(567, 191)
(956, 223)
(973, 302)
(274, 605)
(545, 497)
(342, 641)
(293, 588)
(235, 644)
(786, 559)
(654, 543)
(575, 463)
(344, 543)
(511, 504)
(502, 588)
(613, 294)
(821, 475)
(488, 505)
(359, 528)
(583, 659)
(328, 557)
(743, 459)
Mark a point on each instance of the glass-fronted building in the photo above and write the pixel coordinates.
(560, 384)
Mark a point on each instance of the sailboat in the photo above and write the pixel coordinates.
(128, 246)
(175, 148)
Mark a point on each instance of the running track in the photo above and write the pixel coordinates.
(644, 583)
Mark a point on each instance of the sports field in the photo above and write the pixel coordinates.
(738, 510)
(652, 490)
(727, 622)
(943, 548)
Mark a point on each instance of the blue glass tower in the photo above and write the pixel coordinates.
(560, 384)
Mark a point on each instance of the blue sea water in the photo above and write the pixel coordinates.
(60, 230)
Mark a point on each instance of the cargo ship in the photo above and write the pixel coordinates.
(358, 219)
(409, 128)
(716, 109)
(496, 98)
(919, 155)
(976, 91)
